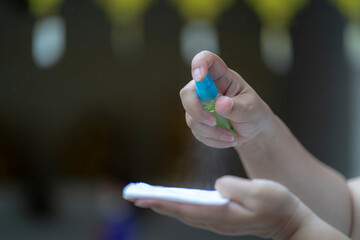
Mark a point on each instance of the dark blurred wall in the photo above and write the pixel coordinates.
(317, 88)
(101, 117)
(94, 116)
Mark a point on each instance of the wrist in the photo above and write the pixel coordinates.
(306, 225)
(296, 223)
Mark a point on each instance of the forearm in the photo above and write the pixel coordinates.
(316, 228)
(277, 155)
(306, 225)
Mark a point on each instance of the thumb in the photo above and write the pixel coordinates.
(239, 108)
(227, 81)
(235, 188)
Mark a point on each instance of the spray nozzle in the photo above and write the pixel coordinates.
(206, 89)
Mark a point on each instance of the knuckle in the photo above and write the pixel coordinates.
(247, 105)
(207, 53)
(203, 53)
(261, 189)
(190, 122)
(236, 86)
(184, 91)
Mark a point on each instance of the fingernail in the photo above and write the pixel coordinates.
(229, 137)
(197, 74)
(210, 122)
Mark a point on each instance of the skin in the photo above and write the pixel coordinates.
(266, 146)
(258, 207)
(268, 150)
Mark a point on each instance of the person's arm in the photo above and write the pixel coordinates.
(266, 146)
(354, 186)
(312, 227)
(278, 156)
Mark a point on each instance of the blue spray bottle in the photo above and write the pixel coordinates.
(208, 94)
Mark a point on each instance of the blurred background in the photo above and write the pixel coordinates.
(89, 102)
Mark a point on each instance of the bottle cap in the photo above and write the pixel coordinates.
(206, 89)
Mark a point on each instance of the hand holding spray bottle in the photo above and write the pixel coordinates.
(208, 94)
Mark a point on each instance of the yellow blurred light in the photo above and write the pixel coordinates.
(41, 8)
(202, 9)
(277, 12)
(349, 8)
(124, 11)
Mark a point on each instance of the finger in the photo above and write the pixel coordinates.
(212, 142)
(221, 134)
(193, 107)
(239, 108)
(195, 213)
(226, 80)
(237, 189)
(220, 219)
(215, 133)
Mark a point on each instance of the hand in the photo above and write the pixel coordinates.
(240, 103)
(257, 207)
